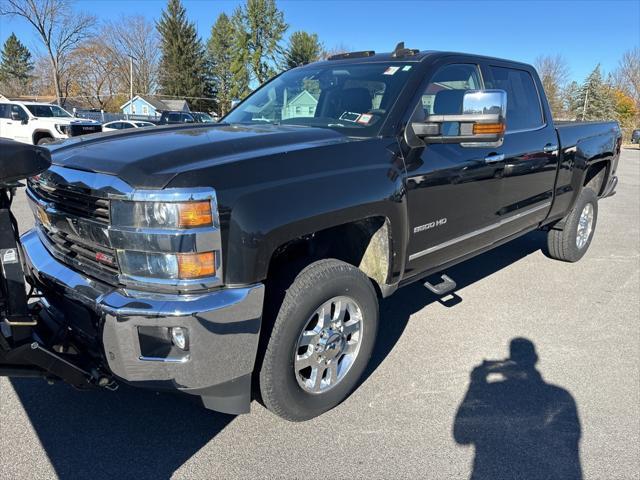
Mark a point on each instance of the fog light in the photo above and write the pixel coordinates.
(179, 337)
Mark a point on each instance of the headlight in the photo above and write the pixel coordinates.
(162, 214)
(169, 266)
(62, 129)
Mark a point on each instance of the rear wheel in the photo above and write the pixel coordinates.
(570, 241)
(321, 340)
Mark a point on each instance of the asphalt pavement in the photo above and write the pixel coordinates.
(583, 320)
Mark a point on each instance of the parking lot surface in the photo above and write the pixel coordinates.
(583, 319)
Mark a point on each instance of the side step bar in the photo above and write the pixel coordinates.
(447, 285)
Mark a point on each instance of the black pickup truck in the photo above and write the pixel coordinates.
(246, 259)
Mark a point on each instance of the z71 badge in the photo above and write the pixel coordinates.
(427, 226)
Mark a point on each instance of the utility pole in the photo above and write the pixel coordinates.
(131, 58)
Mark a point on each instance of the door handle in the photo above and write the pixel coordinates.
(549, 148)
(494, 158)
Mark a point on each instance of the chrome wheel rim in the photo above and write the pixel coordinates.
(328, 345)
(585, 226)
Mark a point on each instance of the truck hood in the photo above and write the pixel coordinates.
(150, 158)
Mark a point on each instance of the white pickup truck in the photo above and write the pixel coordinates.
(40, 123)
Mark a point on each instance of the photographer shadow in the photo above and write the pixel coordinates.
(521, 426)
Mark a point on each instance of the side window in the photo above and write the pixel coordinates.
(145, 110)
(523, 103)
(20, 111)
(186, 118)
(173, 117)
(125, 125)
(5, 111)
(443, 95)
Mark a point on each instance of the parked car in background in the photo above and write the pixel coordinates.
(125, 124)
(169, 117)
(635, 136)
(203, 117)
(173, 117)
(40, 123)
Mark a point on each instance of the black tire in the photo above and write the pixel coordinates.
(562, 238)
(45, 140)
(316, 284)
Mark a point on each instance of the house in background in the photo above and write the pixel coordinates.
(302, 105)
(152, 105)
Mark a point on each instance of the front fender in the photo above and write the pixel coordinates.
(342, 185)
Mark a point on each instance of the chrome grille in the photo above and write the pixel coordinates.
(73, 200)
(76, 253)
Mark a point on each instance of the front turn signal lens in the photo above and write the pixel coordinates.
(196, 265)
(194, 214)
(488, 128)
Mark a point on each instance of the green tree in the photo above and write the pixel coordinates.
(303, 48)
(260, 26)
(229, 73)
(183, 65)
(595, 99)
(15, 67)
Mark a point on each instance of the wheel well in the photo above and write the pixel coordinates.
(595, 176)
(364, 244)
(37, 136)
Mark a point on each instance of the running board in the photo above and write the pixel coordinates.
(447, 285)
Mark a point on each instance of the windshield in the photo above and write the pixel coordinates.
(353, 99)
(47, 111)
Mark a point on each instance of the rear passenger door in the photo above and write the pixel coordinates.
(529, 151)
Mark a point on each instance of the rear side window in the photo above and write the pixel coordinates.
(523, 103)
(173, 117)
(5, 111)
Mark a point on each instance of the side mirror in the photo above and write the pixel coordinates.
(480, 119)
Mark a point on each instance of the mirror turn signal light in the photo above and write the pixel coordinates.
(196, 265)
(195, 214)
(488, 128)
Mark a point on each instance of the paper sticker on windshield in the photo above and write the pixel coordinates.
(391, 70)
(350, 116)
(406, 68)
(365, 118)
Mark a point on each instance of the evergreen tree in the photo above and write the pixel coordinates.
(15, 67)
(260, 26)
(303, 48)
(183, 66)
(229, 74)
(571, 100)
(595, 100)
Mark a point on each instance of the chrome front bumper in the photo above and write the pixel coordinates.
(223, 326)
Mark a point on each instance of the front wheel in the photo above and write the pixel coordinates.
(321, 340)
(570, 241)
